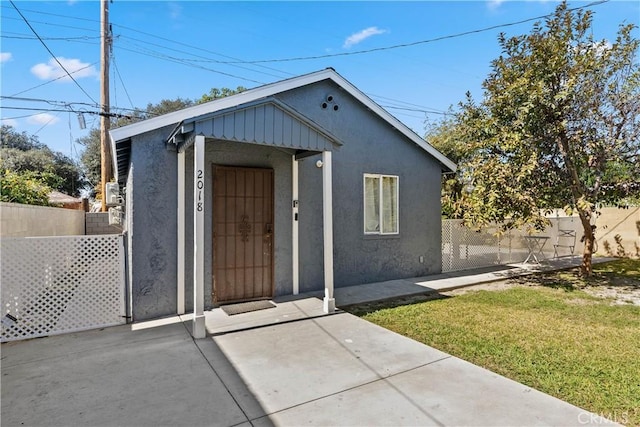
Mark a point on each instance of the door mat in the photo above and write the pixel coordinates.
(246, 307)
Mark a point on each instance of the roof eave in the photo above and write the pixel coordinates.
(177, 117)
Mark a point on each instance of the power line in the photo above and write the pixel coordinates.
(159, 55)
(403, 102)
(53, 117)
(201, 58)
(70, 103)
(99, 113)
(157, 37)
(200, 49)
(19, 117)
(53, 25)
(53, 80)
(49, 101)
(7, 107)
(28, 37)
(415, 109)
(58, 15)
(49, 50)
(403, 45)
(113, 59)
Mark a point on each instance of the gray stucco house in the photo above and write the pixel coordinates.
(295, 186)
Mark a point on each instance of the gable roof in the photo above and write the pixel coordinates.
(120, 137)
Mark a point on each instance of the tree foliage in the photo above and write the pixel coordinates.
(216, 93)
(25, 154)
(90, 157)
(558, 126)
(25, 188)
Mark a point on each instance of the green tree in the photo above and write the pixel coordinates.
(25, 188)
(90, 158)
(20, 153)
(447, 136)
(216, 93)
(558, 126)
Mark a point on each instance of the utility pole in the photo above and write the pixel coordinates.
(105, 51)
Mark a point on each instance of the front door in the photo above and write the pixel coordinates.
(242, 233)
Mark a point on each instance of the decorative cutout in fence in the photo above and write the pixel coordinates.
(54, 285)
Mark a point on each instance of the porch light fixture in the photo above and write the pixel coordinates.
(319, 164)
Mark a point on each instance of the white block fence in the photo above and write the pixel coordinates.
(54, 285)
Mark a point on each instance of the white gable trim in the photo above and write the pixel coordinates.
(176, 117)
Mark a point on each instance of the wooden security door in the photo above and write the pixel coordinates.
(242, 234)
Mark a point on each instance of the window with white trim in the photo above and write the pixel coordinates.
(380, 204)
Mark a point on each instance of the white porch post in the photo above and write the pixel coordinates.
(198, 238)
(329, 303)
(181, 230)
(295, 242)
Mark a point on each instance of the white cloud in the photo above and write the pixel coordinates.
(10, 122)
(52, 69)
(602, 46)
(360, 36)
(175, 10)
(43, 119)
(5, 56)
(494, 4)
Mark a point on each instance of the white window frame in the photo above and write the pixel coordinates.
(380, 207)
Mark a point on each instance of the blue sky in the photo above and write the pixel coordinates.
(170, 49)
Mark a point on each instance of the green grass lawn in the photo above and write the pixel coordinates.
(557, 339)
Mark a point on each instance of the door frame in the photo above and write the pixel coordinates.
(214, 298)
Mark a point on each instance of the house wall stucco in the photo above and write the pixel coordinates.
(371, 145)
(151, 198)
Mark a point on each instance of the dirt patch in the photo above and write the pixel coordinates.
(620, 295)
(501, 285)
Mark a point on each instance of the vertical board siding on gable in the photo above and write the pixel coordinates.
(259, 121)
(228, 127)
(239, 118)
(207, 127)
(249, 125)
(278, 126)
(218, 128)
(295, 133)
(266, 125)
(268, 122)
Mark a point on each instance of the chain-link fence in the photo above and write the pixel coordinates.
(464, 248)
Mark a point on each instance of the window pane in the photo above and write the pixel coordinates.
(371, 205)
(389, 204)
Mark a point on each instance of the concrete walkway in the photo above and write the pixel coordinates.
(289, 365)
(448, 281)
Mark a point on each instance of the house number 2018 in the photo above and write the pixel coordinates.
(199, 186)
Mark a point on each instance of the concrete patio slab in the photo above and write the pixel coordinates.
(455, 392)
(367, 405)
(380, 350)
(153, 377)
(355, 373)
(287, 309)
(291, 365)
